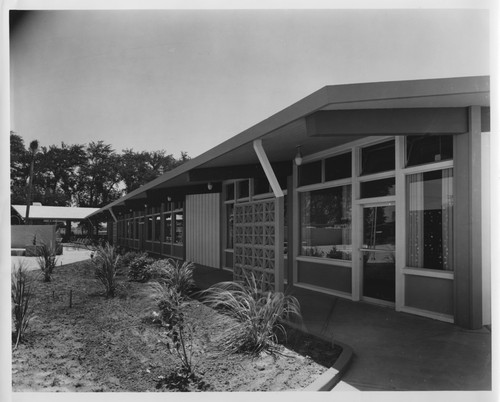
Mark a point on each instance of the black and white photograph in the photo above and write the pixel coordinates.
(237, 199)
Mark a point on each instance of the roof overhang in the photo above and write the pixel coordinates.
(351, 110)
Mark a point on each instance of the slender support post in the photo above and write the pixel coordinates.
(268, 170)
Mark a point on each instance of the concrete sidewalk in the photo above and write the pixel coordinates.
(392, 351)
(70, 255)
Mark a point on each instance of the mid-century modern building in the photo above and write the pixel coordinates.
(374, 192)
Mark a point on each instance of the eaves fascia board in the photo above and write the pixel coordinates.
(378, 91)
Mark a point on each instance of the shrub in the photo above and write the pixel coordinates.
(257, 314)
(138, 268)
(22, 292)
(126, 259)
(47, 260)
(106, 261)
(174, 275)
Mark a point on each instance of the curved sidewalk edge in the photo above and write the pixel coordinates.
(330, 378)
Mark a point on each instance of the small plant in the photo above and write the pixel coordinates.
(174, 275)
(180, 337)
(105, 261)
(138, 268)
(312, 252)
(258, 314)
(47, 260)
(22, 292)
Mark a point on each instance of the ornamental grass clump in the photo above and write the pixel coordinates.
(258, 315)
(47, 260)
(22, 293)
(174, 275)
(106, 261)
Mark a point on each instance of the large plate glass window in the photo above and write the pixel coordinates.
(179, 227)
(430, 220)
(325, 220)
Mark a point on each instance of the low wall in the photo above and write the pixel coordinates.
(23, 235)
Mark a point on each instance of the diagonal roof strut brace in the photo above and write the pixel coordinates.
(268, 170)
(113, 214)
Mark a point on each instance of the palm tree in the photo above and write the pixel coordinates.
(33, 150)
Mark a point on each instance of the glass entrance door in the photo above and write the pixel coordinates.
(378, 252)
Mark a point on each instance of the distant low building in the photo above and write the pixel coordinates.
(62, 217)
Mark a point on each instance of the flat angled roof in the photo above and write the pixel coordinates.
(284, 130)
(55, 213)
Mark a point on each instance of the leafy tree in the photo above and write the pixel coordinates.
(19, 169)
(139, 168)
(98, 177)
(58, 173)
(32, 153)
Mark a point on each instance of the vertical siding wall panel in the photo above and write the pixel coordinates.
(202, 215)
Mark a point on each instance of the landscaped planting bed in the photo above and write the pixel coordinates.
(82, 341)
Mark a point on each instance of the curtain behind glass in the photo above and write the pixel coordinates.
(430, 220)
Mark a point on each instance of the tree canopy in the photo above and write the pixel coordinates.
(90, 175)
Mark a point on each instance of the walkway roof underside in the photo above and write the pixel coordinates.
(329, 117)
(55, 213)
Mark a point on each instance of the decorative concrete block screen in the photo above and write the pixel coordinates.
(258, 242)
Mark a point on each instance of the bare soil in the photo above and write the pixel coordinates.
(108, 345)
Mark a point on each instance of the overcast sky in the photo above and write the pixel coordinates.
(188, 80)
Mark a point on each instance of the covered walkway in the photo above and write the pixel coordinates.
(392, 351)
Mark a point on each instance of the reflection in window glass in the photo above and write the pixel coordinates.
(179, 228)
(378, 188)
(325, 219)
(430, 220)
(378, 158)
(150, 228)
(129, 229)
(261, 186)
(230, 225)
(310, 173)
(338, 167)
(230, 192)
(428, 148)
(285, 223)
(157, 227)
(243, 189)
(168, 228)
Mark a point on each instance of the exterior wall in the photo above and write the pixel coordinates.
(486, 228)
(22, 235)
(438, 294)
(332, 277)
(203, 229)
